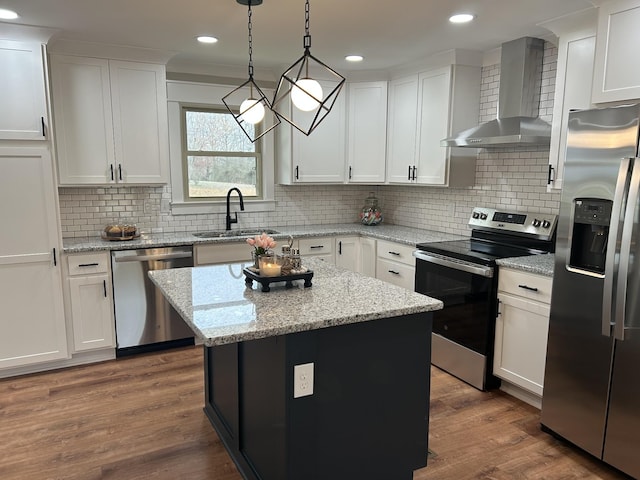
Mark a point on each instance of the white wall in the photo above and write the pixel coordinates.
(507, 178)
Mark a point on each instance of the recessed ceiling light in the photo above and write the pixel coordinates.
(354, 58)
(461, 18)
(7, 14)
(207, 39)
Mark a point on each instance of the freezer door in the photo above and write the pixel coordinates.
(579, 356)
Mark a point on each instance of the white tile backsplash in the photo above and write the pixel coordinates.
(507, 178)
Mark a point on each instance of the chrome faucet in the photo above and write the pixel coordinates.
(229, 219)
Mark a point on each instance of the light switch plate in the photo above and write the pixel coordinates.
(302, 380)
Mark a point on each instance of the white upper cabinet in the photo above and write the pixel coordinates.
(111, 121)
(576, 50)
(433, 103)
(423, 110)
(23, 104)
(617, 72)
(367, 133)
(319, 157)
(401, 129)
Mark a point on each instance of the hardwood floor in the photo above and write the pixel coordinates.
(141, 418)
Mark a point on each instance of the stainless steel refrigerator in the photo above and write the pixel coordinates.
(592, 377)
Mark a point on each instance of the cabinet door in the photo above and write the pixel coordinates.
(91, 314)
(23, 104)
(83, 120)
(32, 328)
(368, 256)
(139, 101)
(214, 253)
(433, 125)
(521, 342)
(367, 135)
(321, 156)
(616, 76)
(348, 253)
(401, 131)
(573, 91)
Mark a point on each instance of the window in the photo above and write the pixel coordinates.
(217, 155)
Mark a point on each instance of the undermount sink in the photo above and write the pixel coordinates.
(249, 232)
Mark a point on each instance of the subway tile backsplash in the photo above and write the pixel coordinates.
(508, 178)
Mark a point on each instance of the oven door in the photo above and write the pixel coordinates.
(463, 331)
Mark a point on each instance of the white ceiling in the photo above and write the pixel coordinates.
(387, 32)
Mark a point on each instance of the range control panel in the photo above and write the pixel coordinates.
(539, 225)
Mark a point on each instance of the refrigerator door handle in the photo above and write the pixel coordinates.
(611, 266)
(625, 253)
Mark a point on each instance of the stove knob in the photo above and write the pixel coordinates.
(546, 224)
(483, 216)
(475, 215)
(536, 222)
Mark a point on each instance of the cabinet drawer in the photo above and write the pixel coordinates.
(316, 246)
(396, 273)
(396, 252)
(88, 263)
(524, 284)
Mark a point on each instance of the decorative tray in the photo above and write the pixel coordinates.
(251, 275)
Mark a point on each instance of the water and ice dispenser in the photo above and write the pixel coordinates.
(590, 231)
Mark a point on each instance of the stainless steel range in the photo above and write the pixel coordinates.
(462, 273)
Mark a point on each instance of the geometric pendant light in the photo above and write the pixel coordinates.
(307, 90)
(254, 114)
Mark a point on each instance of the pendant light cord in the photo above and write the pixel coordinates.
(250, 25)
(307, 36)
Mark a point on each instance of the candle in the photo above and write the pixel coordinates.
(269, 269)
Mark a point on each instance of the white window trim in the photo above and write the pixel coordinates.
(210, 95)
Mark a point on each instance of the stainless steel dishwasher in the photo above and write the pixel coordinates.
(145, 321)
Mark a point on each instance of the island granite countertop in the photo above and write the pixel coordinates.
(538, 264)
(219, 307)
(392, 233)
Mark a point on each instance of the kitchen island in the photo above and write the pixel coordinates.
(361, 408)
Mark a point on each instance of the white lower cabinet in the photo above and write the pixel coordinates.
(368, 256)
(395, 264)
(213, 253)
(522, 326)
(348, 253)
(90, 301)
(32, 323)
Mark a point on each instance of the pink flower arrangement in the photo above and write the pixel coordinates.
(261, 243)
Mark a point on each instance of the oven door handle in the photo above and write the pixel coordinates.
(473, 269)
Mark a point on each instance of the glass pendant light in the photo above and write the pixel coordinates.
(255, 115)
(308, 89)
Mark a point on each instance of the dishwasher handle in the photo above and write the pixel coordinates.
(160, 257)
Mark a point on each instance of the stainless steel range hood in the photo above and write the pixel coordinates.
(519, 99)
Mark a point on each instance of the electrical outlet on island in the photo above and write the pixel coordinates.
(302, 380)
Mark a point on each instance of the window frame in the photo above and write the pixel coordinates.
(186, 153)
(209, 95)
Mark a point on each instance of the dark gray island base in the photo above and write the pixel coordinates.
(368, 415)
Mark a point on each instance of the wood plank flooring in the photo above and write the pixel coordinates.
(141, 418)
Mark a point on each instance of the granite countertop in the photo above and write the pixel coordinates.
(539, 264)
(393, 233)
(221, 309)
